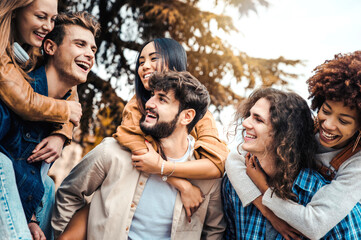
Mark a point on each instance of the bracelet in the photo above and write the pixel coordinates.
(34, 221)
(162, 168)
(165, 178)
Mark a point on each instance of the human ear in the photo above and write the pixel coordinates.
(49, 47)
(188, 116)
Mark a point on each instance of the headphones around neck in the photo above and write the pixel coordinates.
(20, 54)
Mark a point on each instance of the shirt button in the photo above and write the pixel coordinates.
(141, 183)
(32, 172)
(27, 135)
(30, 197)
(133, 205)
(127, 228)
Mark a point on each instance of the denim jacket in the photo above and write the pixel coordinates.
(19, 142)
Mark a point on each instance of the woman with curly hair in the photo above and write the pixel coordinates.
(277, 126)
(335, 90)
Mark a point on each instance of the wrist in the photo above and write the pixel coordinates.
(263, 188)
(34, 220)
(184, 185)
(61, 136)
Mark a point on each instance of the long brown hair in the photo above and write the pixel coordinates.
(294, 145)
(7, 29)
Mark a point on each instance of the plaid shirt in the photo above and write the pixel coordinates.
(249, 223)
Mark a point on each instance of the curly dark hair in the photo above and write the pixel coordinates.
(190, 93)
(338, 79)
(294, 145)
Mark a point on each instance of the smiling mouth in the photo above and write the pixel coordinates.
(83, 65)
(41, 35)
(150, 114)
(328, 136)
(250, 136)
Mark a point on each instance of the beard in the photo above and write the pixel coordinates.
(160, 129)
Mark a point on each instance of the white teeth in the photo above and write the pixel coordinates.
(84, 65)
(328, 136)
(147, 75)
(42, 35)
(250, 136)
(151, 115)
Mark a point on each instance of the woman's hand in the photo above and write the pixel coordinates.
(149, 162)
(75, 112)
(48, 150)
(256, 174)
(192, 198)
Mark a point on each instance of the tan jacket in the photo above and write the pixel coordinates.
(208, 145)
(20, 97)
(107, 172)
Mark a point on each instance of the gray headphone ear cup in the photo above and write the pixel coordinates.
(20, 54)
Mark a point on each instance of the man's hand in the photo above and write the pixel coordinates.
(149, 162)
(75, 112)
(35, 230)
(48, 150)
(279, 225)
(192, 198)
(283, 228)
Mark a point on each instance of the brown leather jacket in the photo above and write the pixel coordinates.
(20, 97)
(207, 145)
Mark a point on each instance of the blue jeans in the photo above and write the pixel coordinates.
(44, 211)
(13, 224)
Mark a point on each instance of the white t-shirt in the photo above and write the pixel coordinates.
(154, 215)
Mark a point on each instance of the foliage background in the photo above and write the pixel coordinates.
(127, 24)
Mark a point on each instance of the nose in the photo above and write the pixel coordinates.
(150, 103)
(48, 25)
(89, 53)
(329, 124)
(247, 123)
(146, 64)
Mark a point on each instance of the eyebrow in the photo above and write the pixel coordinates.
(83, 41)
(150, 54)
(342, 114)
(164, 95)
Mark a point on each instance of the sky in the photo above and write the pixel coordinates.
(309, 30)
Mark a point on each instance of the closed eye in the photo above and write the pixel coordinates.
(326, 112)
(343, 122)
(40, 16)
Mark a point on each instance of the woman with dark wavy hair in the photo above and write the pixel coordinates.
(334, 209)
(277, 127)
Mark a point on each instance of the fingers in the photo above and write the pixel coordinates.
(189, 214)
(75, 112)
(36, 232)
(43, 154)
(149, 146)
(40, 145)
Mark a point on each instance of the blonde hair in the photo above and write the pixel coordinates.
(7, 29)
